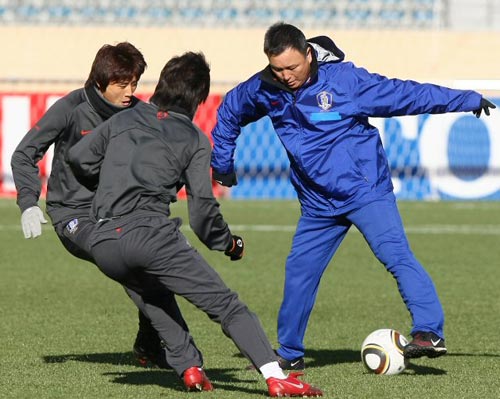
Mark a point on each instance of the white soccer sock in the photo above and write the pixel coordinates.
(272, 369)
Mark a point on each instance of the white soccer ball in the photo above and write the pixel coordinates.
(382, 352)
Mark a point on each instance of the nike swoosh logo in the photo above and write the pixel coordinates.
(294, 363)
(84, 132)
(299, 386)
(435, 342)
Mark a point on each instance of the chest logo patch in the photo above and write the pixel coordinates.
(325, 100)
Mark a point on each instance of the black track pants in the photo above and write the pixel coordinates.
(150, 256)
(75, 237)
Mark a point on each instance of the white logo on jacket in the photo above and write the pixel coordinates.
(325, 100)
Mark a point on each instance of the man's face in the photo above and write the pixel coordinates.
(291, 67)
(120, 93)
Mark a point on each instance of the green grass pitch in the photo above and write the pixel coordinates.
(67, 331)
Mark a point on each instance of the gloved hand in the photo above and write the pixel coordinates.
(227, 180)
(235, 250)
(485, 106)
(31, 222)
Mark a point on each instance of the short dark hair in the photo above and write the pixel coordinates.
(184, 82)
(116, 63)
(281, 36)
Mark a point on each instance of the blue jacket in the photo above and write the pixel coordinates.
(336, 157)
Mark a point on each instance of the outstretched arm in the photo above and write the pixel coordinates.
(378, 96)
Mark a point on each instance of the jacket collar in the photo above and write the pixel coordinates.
(175, 109)
(326, 50)
(102, 106)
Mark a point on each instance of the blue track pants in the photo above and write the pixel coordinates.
(315, 242)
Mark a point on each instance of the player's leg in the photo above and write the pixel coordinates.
(162, 314)
(148, 346)
(160, 257)
(189, 275)
(381, 225)
(75, 235)
(314, 244)
(119, 261)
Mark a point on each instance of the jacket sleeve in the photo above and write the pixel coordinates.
(237, 110)
(205, 217)
(86, 156)
(378, 96)
(31, 149)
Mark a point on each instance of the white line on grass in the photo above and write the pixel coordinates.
(492, 229)
(480, 229)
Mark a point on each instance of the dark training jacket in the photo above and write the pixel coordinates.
(64, 124)
(141, 157)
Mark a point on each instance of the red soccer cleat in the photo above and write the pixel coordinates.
(196, 379)
(291, 386)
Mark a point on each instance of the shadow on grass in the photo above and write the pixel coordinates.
(473, 354)
(115, 358)
(426, 370)
(327, 357)
(224, 379)
(414, 369)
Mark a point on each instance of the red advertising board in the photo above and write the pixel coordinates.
(20, 111)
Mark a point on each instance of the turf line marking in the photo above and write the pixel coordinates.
(484, 229)
(493, 229)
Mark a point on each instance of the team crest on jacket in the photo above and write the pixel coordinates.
(72, 226)
(325, 100)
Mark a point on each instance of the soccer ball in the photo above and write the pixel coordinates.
(382, 352)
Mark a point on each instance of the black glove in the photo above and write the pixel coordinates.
(225, 180)
(485, 106)
(236, 248)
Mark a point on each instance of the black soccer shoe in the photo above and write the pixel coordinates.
(295, 364)
(149, 351)
(425, 344)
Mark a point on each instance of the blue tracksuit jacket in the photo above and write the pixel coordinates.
(341, 174)
(336, 156)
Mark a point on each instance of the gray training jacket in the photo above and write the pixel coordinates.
(141, 157)
(64, 124)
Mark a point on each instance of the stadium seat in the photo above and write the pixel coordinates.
(213, 13)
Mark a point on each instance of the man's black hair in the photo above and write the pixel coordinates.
(184, 82)
(282, 36)
(118, 63)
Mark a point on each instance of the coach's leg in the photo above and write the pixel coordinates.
(381, 225)
(313, 246)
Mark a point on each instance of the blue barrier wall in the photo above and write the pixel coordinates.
(451, 156)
